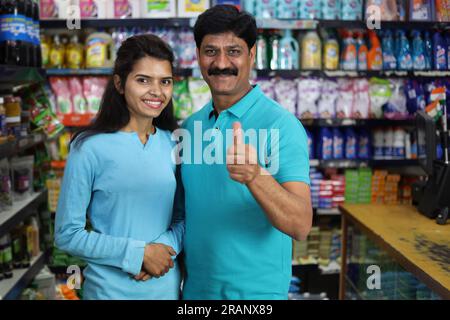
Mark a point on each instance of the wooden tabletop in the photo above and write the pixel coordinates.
(417, 242)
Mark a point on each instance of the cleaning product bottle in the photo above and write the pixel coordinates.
(428, 47)
(289, 52)
(439, 52)
(418, 51)
(349, 59)
(45, 50)
(274, 49)
(351, 144)
(362, 51)
(389, 59)
(404, 59)
(74, 53)
(447, 41)
(265, 9)
(288, 9)
(261, 52)
(311, 51)
(375, 54)
(57, 53)
(331, 53)
(100, 51)
(338, 144)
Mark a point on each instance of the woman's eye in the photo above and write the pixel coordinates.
(166, 82)
(142, 80)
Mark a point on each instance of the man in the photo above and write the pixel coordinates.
(242, 214)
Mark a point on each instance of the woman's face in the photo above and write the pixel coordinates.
(148, 88)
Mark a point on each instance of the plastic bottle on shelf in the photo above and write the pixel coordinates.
(338, 144)
(289, 52)
(378, 144)
(428, 51)
(351, 144)
(375, 54)
(311, 51)
(331, 53)
(388, 143)
(261, 52)
(74, 53)
(100, 51)
(408, 154)
(389, 57)
(418, 51)
(404, 59)
(265, 9)
(310, 9)
(331, 9)
(325, 144)
(349, 59)
(45, 50)
(439, 52)
(57, 53)
(14, 46)
(362, 51)
(288, 9)
(36, 30)
(5, 244)
(274, 49)
(398, 151)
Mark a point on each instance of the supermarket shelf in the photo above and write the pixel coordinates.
(353, 288)
(357, 122)
(286, 24)
(117, 23)
(344, 163)
(10, 148)
(12, 288)
(103, 72)
(17, 76)
(18, 212)
(422, 25)
(328, 212)
(352, 74)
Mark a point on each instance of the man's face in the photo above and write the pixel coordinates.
(225, 62)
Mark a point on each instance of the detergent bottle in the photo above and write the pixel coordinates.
(289, 52)
(375, 55)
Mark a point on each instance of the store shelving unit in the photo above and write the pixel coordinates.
(16, 76)
(105, 72)
(12, 288)
(20, 211)
(357, 163)
(117, 23)
(18, 145)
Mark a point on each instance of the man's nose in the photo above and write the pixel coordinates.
(222, 61)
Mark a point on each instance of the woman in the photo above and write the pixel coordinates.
(120, 173)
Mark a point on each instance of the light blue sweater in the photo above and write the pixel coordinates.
(127, 190)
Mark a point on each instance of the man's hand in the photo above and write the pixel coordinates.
(157, 260)
(242, 159)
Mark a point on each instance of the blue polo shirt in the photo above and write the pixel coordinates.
(232, 251)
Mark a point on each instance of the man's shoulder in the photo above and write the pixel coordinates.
(196, 116)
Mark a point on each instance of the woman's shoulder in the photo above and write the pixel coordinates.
(93, 143)
(166, 136)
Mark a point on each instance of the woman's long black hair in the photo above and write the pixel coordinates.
(113, 114)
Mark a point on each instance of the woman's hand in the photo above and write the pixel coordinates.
(157, 260)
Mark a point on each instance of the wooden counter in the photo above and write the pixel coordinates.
(416, 242)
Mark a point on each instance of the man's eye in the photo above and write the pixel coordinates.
(210, 52)
(234, 52)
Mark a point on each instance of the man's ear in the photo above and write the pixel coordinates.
(118, 84)
(253, 55)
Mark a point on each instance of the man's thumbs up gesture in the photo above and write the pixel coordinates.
(242, 159)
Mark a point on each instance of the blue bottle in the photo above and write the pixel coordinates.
(418, 51)
(325, 151)
(364, 152)
(288, 9)
(338, 144)
(439, 52)
(404, 59)
(428, 51)
(265, 9)
(351, 144)
(447, 41)
(288, 52)
(389, 59)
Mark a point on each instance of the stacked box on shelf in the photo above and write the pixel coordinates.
(335, 250)
(300, 250)
(315, 177)
(378, 186)
(313, 242)
(325, 247)
(326, 194)
(364, 185)
(391, 189)
(406, 190)
(351, 186)
(338, 183)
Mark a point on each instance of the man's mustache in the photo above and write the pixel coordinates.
(219, 72)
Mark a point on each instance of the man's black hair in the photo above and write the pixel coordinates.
(226, 18)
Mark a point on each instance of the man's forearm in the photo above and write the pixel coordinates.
(286, 211)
